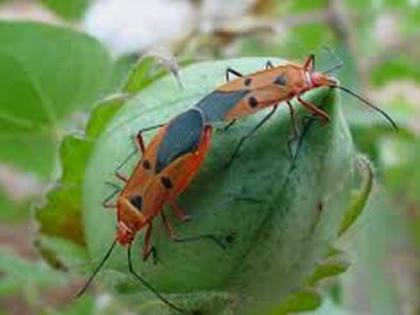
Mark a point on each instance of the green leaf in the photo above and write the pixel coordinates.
(396, 68)
(330, 308)
(301, 301)
(61, 216)
(308, 298)
(55, 250)
(370, 280)
(310, 35)
(299, 6)
(86, 305)
(72, 10)
(145, 72)
(402, 178)
(281, 237)
(122, 71)
(48, 73)
(65, 221)
(139, 75)
(13, 211)
(359, 197)
(330, 268)
(81, 306)
(17, 274)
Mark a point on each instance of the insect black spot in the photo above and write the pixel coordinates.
(248, 81)
(137, 202)
(253, 102)
(146, 164)
(280, 80)
(166, 182)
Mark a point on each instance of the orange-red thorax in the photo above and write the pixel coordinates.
(147, 192)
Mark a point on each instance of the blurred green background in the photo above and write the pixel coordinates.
(51, 78)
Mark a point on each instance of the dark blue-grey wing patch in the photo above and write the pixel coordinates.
(217, 104)
(182, 136)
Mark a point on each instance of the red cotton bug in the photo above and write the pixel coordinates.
(168, 165)
(250, 93)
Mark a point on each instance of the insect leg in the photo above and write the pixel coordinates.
(97, 269)
(234, 72)
(148, 249)
(211, 237)
(247, 199)
(230, 124)
(269, 65)
(106, 202)
(309, 64)
(120, 166)
(179, 212)
(120, 176)
(139, 147)
(113, 185)
(139, 137)
(149, 286)
(168, 225)
(227, 127)
(117, 171)
(305, 129)
(319, 112)
(249, 134)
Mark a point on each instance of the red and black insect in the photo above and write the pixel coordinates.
(267, 88)
(168, 165)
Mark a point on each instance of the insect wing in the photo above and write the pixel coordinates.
(175, 178)
(143, 172)
(182, 136)
(218, 103)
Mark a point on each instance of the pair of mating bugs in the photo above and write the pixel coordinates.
(173, 157)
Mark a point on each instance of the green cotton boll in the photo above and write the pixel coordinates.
(284, 213)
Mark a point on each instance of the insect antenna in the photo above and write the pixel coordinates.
(95, 272)
(339, 63)
(332, 53)
(366, 102)
(149, 286)
(334, 67)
